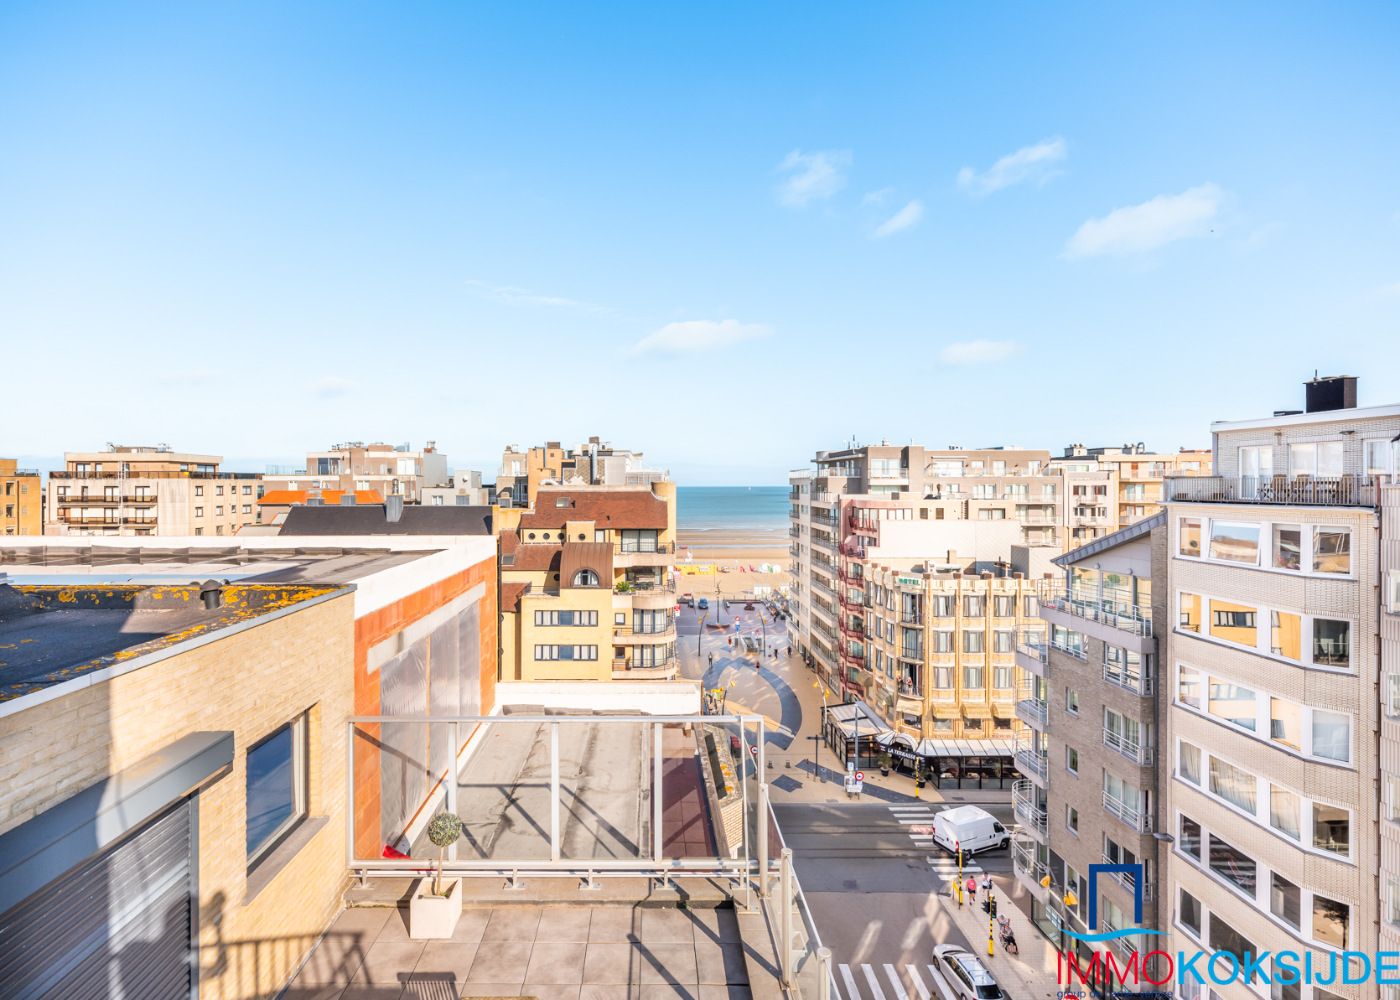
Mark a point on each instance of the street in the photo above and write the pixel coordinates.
(870, 873)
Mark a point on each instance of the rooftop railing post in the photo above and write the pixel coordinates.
(656, 793)
(785, 944)
(452, 780)
(554, 852)
(761, 832)
(823, 974)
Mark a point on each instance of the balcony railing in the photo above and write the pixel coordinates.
(70, 500)
(1027, 868)
(645, 587)
(1128, 881)
(1033, 645)
(1300, 491)
(1135, 752)
(1031, 761)
(667, 630)
(143, 474)
(1029, 813)
(632, 549)
(1090, 604)
(1065, 645)
(1033, 712)
(1130, 815)
(1140, 685)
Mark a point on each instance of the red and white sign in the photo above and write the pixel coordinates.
(753, 749)
(860, 775)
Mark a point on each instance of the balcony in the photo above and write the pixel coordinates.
(1032, 652)
(1029, 871)
(664, 671)
(625, 635)
(1129, 815)
(69, 500)
(648, 596)
(1093, 606)
(1135, 752)
(1030, 813)
(631, 555)
(860, 524)
(1032, 762)
(1140, 685)
(1301, 491)
(1066, 644)
(1033, 712)
(1127, 881)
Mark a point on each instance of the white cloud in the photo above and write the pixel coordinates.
(906, 218)
(332, 386)
(977, 352)
(812, 176)
(696, 336)
(877, 198)
(1391, 291)
(1026, 164)
(1140, 228)
(513, 295)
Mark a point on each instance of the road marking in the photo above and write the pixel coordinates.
(912, 820)
(874, 983)
(942, 984)
(910, 809)
(918, 981)
(851, 992)
(894, 981)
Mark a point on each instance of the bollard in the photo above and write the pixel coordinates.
(762, 836)
(823, 974)
(785, 945)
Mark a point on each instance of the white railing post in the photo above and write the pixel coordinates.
(785, 945)
(823, 974)
(658, 847)
(452, 782)
(554, 852)
(761, 833)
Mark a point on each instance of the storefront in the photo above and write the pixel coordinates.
(953, 764)
(855, 725)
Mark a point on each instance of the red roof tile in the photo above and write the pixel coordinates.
(605, 508)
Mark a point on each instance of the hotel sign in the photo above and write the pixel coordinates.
(907, 581)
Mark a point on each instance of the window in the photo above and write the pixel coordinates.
(1331, 642)
(554, 652)
(1188, 913)
(1189, 537)
(1321, 458)
(550, 618)
(1286, 724)
(639, 540)
(199, 491)
(972, 677)
(1392, 694)
(1330, 920)
(972, 641)
(1235, 786)
(1331, 550)
(1190, 615)
(1256, 464)
(1286, 635)
(1071, 760)
(1288, 547)
(1331, 829)
(1188, 762)
(974, 606)
(219, 511)
(1004, 606)
(1284, 811)
(1190, 838)
(1237, 623)
(1071, 701)
(620, 618)
(585, 578)
(1331, 735)
(1072, 819)
(1238, 543)
(1030, 605)
(275, 786)
(1001, 678)
(1232, 703)
(1285, 900)
(1233, 865)
(1001, 641)
(199, 512)
(943, 605)
(1188, 686)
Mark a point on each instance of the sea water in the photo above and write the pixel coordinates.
(758, 510)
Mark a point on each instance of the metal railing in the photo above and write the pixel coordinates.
(1026, 867)
(1128, 881)
(1130, 815)
(651, 631)
(1033, 712)
(1119, 678)
(1066, 646)
(1033, 645)
(1028, 813)
(1091, 605)
(1135, 752)
(1300, 491)
(642, 549)
(1032, 761)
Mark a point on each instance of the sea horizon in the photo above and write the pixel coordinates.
(759, 511)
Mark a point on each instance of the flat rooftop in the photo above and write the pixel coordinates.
(53, 634)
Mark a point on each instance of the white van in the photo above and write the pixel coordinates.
(970, 828)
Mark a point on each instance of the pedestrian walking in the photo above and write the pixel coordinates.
(789, 651)
(971, 890)
(712, 659)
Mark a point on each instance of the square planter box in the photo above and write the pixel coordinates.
(430, 917)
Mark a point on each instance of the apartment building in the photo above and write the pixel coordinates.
(463, 489)
(21, 499)
(387, 469)
(148, 490)
(593, 463)
(1283, 690)
(1088, 795)
(587, 584)
(1138, 474)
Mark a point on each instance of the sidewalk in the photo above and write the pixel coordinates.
(1031, 973)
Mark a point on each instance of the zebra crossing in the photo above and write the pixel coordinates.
(919, 820)
(886, 982)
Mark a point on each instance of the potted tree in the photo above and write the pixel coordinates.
(885, 761)
(435, 907)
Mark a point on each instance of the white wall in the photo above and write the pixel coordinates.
(679, 697)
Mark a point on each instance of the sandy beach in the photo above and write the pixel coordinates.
(738, 557)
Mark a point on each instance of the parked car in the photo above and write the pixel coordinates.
(688, 600)
(703, 604)
(965, 974)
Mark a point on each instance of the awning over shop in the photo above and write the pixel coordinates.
(847, 717)
(976, 710)
(946, 710)
(1002, 710)
(948, 748)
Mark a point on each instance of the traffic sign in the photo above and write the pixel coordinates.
(753, 749)
(860, 775)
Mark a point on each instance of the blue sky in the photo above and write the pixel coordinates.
(727, 236)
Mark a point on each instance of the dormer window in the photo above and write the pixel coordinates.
(562, 502)
(585, 578)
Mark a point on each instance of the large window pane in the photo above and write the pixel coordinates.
(1331, 829)
(1331, 550)
(1283, 811)
(1232, 622)
(1234, 542)
(1330, 920)
(1190, 614)
(1234, 704)
(1288, 546)
(1190, 839)
(1189, 762)
(1331, 735)
(1189, 913)
(1188, 686)
(1331, 642)
(1233, 865)
(1236, 786)
(1285, 900)
(1223, 937)
(1286, 635)
(273, 787)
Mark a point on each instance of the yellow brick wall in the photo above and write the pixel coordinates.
(251, 683)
